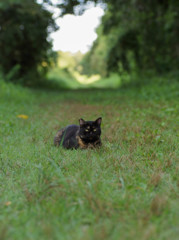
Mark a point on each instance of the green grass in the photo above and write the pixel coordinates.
(59, 78)
(128, 189)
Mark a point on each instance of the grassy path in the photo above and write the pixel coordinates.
(126, 190)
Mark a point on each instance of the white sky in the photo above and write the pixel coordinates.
(77, 33)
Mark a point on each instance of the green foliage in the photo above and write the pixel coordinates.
(95, 61)
(72, 6)
(63, 71)
(127, 189)
(25, 51)
(136, 36)
(63, 79)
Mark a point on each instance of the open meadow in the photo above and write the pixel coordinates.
(128, 189)
(65, 60)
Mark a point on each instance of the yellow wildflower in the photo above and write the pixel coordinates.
(23, 116)
(8, 203)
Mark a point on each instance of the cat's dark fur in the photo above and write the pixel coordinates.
(86, 135)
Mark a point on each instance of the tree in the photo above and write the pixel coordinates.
(140, 34)
(24, 48)
(145, 32)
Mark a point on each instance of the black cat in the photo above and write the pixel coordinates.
(86, 135)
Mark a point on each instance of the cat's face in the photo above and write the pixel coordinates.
(90, 130)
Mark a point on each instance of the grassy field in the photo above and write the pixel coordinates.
(128, 189)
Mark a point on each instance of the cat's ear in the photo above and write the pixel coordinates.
(81, 121)
(98, 121)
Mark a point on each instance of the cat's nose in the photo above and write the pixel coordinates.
(90, 132)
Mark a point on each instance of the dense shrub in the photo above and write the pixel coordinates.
(25, 52)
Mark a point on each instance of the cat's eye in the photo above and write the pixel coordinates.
(94, 130)
(86, 130)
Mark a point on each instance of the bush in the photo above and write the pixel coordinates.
(25, 51)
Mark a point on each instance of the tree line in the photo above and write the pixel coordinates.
(134, 35)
